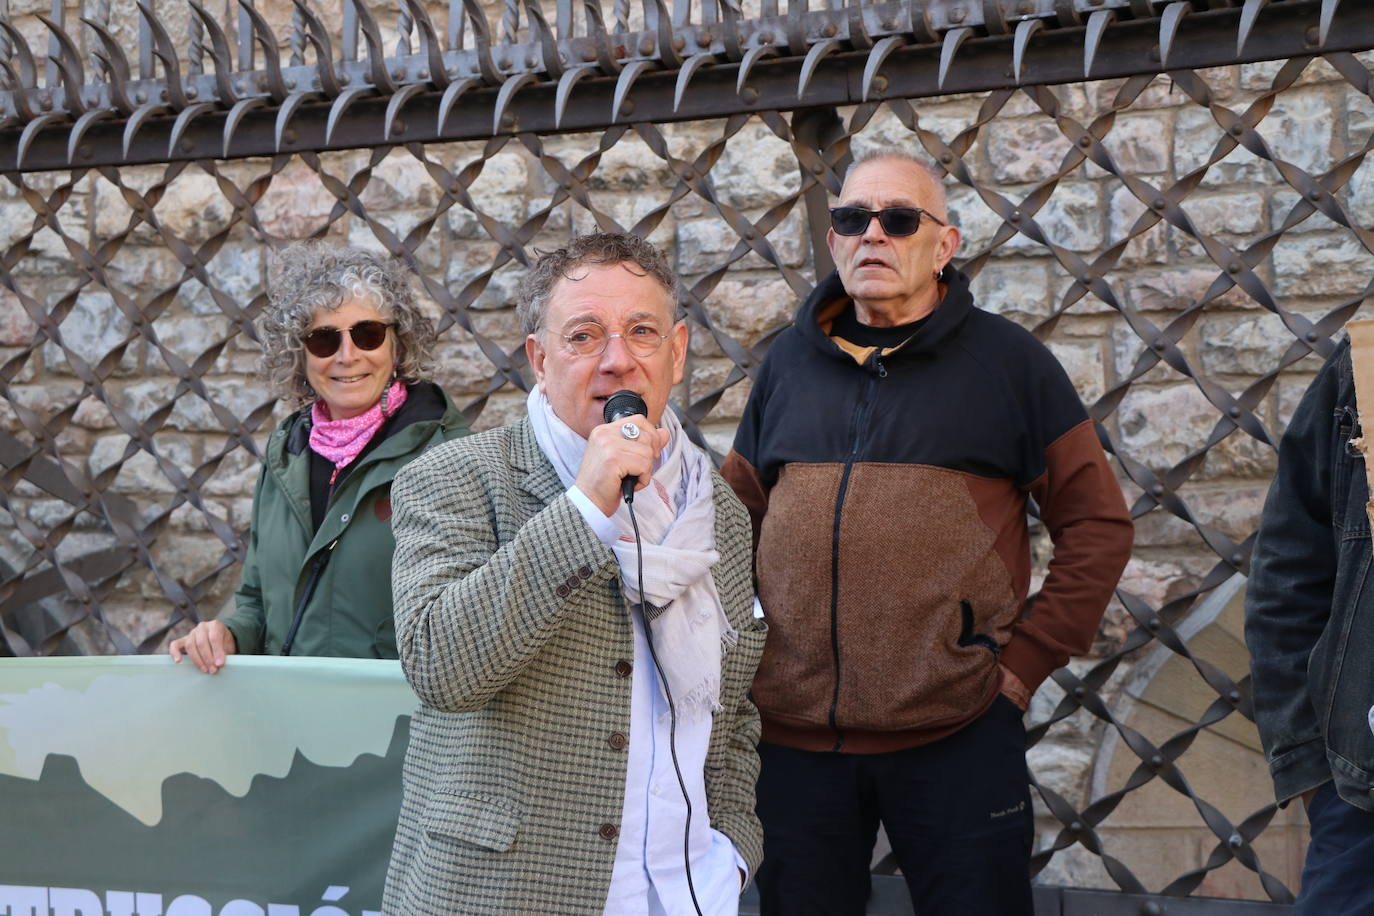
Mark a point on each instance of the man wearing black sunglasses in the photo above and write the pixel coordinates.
(892, 442)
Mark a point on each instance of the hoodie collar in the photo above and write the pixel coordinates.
(816, 316)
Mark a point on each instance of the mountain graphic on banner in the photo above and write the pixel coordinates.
(288, 840)
(131, 724)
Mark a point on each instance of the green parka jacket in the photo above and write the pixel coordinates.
(349, 610)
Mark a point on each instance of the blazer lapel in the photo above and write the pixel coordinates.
(739, 606)
(540, 479)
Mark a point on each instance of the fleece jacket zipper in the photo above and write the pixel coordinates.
(857, 429)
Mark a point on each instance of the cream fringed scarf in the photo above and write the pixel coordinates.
(677, 520)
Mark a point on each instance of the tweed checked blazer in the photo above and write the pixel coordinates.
(513, 631)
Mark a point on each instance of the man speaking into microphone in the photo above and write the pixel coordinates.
(578, 748)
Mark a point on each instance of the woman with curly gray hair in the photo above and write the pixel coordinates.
(345, 342)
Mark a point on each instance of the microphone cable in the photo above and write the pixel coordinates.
(672, 709)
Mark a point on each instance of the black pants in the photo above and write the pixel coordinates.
(1339, 874)
(958, 814)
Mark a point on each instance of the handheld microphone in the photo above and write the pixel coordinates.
(625, 403)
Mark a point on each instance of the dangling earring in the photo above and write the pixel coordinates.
(386, 392)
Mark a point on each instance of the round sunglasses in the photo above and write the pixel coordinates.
(894, 220)
(325, 341)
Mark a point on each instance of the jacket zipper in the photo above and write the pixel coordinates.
(316, 569)
(856, 432)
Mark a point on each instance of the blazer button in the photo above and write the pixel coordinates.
(617, 741)
(585, 572)
(608, 832)
(563, 591)
(623, 668)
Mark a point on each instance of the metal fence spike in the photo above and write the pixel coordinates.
(20, 100)
(114, 52)
(995, 18)
(376, 52)
(1025, 30)
(1248, 15)
(684, 76)
(28, 73)
(393, 107)
(235, 117)
(183, 121)
(565, 87)
(813, 58)
(507, 92)
(1168, 28)
(601, 40)
(859, 38)
(83, 124)
(876, 56)
(922, 22)
(552, 63)
(286, 112)
(68, 61)
(481, 33)
(1328, 13)
(137, 120)
(1066, 14)
(166, 52)
(73, 103)
(220, 53)
(751, 57)
(329, 78)
(954, 39)
(32, 130)
(276, 83)
(660, 21)
(450, 98)
(1092, 39)
(118, 88)
(626, 82)
(430, 47)
(345, 99)
(731, 38)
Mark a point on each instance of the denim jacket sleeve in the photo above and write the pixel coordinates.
(1292, 578)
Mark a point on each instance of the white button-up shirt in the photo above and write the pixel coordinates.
(648, 875)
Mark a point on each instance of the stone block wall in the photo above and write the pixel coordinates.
(111, 395)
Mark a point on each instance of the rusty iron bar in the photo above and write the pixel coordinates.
(566, 79)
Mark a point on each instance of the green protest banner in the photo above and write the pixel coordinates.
(137, 787)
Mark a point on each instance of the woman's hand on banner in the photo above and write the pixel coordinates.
(208, 645)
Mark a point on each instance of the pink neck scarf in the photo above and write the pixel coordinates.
(343, 440)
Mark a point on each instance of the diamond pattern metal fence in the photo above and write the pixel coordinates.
(143, 199)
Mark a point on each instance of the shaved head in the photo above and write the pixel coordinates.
(931, 181)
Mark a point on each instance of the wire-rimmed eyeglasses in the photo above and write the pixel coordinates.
(642, 338)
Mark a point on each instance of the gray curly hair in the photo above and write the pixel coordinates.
(532, 298)
(310, 276)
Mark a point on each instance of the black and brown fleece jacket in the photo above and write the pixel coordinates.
(888, 490)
